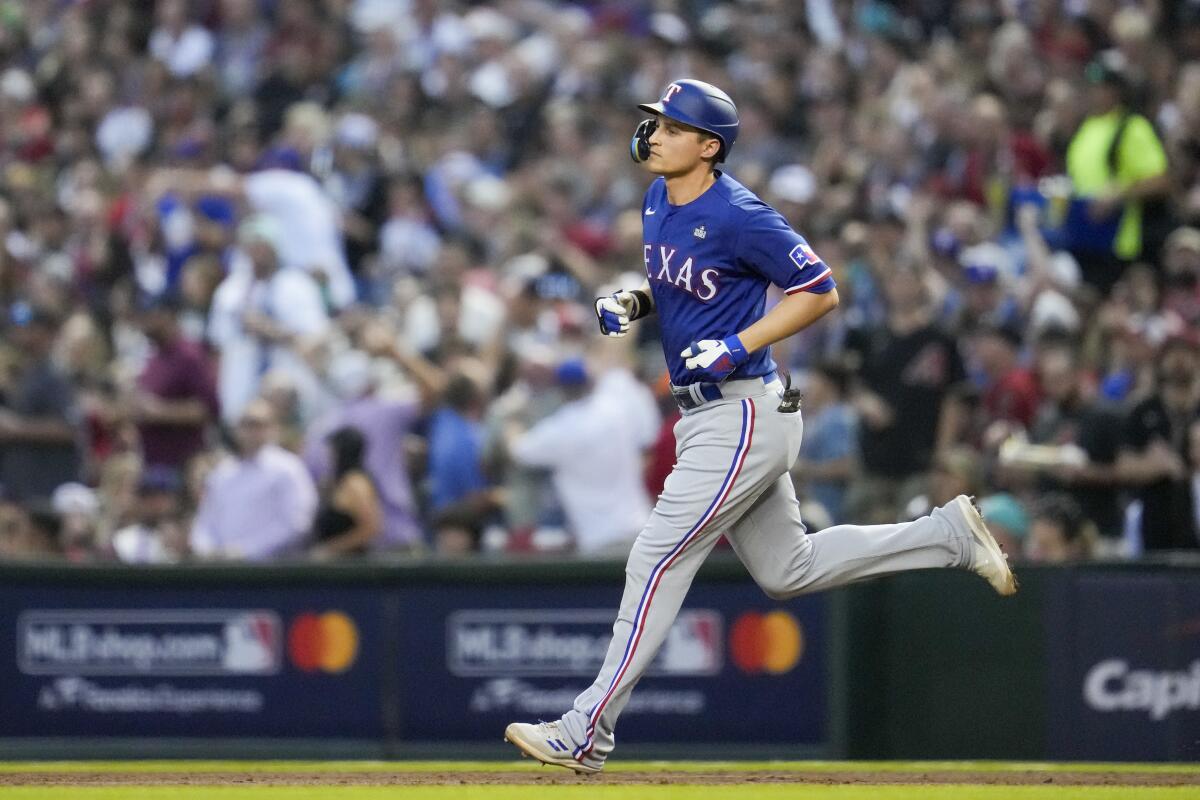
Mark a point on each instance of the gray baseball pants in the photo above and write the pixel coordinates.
(731, 476)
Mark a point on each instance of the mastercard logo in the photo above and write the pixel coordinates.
(323, 642)
(772, 643)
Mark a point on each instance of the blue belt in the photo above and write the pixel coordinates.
(697, 394)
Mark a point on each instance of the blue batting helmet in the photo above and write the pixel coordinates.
(702, 106)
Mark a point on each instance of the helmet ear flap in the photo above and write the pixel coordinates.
(639, 146)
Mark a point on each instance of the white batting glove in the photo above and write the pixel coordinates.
(613, 314)
(713, 359)
(617, 310)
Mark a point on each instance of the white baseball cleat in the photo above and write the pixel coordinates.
(990, 562)
(546, 743)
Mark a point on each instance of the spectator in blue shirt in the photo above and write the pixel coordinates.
(826, 463)
(455, 472)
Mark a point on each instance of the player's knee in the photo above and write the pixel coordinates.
(777, 593)
(778, 587)
(789, 578)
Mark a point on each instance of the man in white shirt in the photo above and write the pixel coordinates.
(311, 240)
(260, 316)
(258, 504)
(621, 388)
(595, 459)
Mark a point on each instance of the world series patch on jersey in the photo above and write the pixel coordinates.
(710, 262)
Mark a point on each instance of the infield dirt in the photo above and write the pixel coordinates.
(552, 776)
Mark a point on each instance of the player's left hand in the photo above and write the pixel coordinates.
(713, 359)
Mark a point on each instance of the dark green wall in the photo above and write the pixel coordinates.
(938, 666)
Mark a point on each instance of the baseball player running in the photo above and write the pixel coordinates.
(710, 249)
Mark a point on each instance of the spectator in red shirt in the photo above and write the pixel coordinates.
(660, 460)
(175, 400)
(1010, 393)
(991, 156)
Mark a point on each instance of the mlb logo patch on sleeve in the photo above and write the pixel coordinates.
(803, 255)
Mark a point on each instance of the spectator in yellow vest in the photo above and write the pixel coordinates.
(1116, 163)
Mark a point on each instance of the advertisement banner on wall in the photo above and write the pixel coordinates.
(1124, 661)
(153, 662)
(735, 666)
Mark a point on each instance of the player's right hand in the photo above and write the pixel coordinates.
(614, 311)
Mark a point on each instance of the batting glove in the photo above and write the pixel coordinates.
(617, 310)
(713, 359)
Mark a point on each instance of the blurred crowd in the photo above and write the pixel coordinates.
(314, 278)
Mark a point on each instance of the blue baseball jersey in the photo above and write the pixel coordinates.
(710, 262)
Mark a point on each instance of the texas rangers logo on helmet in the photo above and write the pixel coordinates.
(671, 89)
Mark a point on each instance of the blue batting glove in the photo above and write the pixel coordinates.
(713, 359)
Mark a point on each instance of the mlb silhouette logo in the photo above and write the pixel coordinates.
(694, 645)
(803, 255)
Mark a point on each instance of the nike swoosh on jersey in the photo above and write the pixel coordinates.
(649, 212)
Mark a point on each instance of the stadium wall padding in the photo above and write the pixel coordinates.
(431, 659)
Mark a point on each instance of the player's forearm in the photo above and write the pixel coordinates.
(793, 314)
(645, 300)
